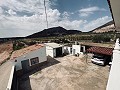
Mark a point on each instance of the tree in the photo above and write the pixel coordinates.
(101, 38)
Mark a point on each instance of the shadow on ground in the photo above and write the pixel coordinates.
(25, 78)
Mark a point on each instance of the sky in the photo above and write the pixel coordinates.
(20, 18)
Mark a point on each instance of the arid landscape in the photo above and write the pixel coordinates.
(5, 51)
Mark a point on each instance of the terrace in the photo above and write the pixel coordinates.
(66, 73)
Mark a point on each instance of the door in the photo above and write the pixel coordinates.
(25, 66)
(58, 51)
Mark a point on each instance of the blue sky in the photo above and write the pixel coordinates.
(24, 17)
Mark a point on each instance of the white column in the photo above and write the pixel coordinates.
(114, 76)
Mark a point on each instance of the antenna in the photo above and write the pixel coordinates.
(46, 14)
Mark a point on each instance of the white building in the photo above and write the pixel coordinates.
(54, 49)
(67, 50)
(78, 49)
(27, 58)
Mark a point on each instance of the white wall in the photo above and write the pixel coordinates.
(114, 76)
(77, 48)
(52, 51)
(67, 49)
(115, 5)
(49, 51)
(83, 48)
(62, 50)
(40, 53)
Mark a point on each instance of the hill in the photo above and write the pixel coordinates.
(55, 31)
(105, 28)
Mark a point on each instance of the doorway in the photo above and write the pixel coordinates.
(25, 65)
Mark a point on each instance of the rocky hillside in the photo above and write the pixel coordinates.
(55, 31)
(105, 28)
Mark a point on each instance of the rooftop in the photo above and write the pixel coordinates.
(101, 50)
(53, 45)
(5, 74)
(97, 44)
(26, 50)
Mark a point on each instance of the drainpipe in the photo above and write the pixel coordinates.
(114, 75)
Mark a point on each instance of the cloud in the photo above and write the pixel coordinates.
(88, 11)
(66, 15)
(11, 12)
(19, 23)
(1, 10)
(24, 17)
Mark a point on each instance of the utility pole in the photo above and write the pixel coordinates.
(46, 14)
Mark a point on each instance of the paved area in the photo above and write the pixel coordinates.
(5, 70)
(70, 73)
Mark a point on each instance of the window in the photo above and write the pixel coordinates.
(34, 60)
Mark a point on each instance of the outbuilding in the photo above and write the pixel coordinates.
(67, 50)
(29, 58)
(54, 49)
(78, 49)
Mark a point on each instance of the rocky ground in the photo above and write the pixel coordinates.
(5, 51)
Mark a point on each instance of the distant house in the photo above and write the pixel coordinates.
(29, 58)
(54, 49)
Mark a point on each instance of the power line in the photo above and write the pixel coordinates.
(46, 14)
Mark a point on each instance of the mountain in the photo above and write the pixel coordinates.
(105, 28)
(55, 31)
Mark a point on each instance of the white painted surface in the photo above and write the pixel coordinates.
(115, 5)
(83, 48)
(114, 76)
(53, 45)
(54, 52)
(10, 78)
(76, 48)
(67, 49)
(50, 51)
(40, 53)
(62, 49)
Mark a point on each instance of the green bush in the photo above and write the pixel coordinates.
(18, 45)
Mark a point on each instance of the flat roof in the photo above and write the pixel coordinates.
(5, 71)
(26, 50)
(53, 45)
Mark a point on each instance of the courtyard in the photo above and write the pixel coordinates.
(66, 73)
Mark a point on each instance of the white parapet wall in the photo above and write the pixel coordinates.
(114, 76)
(10, 78)
(40, 53)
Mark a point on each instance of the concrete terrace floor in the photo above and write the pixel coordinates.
(5, 71)
(69, 73)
